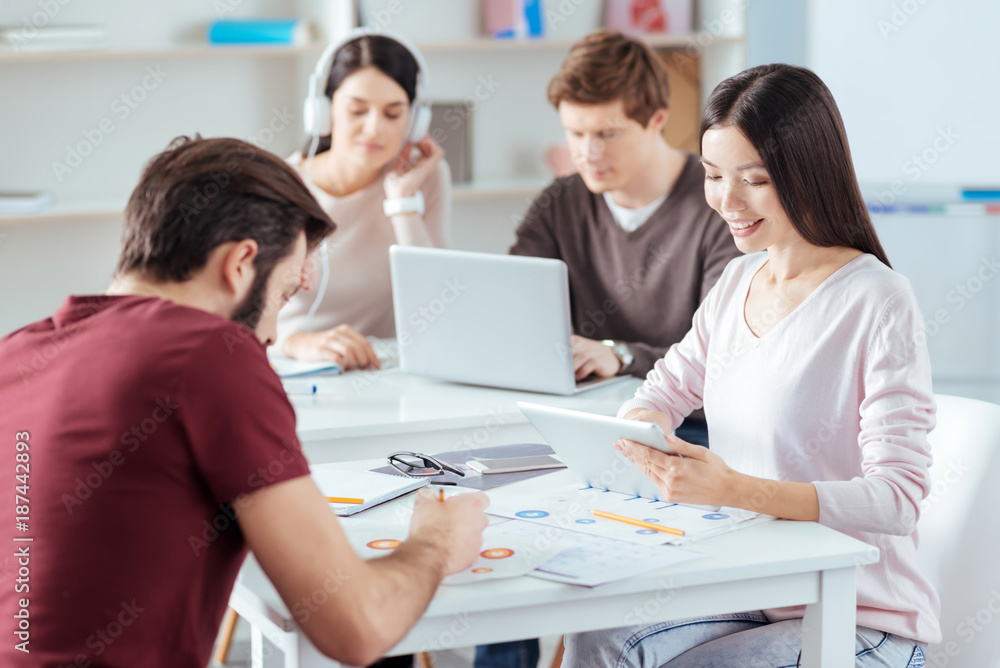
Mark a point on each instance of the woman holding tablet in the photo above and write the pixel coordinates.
(808, 357)
(376, 172)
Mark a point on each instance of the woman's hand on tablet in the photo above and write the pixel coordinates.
(342, 344)
(661, 420)
(697, 476)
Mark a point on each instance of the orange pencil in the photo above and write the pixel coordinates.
(440, 494)
(639, 523)
(343, 499)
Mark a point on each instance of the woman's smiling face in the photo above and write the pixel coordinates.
(738, 186)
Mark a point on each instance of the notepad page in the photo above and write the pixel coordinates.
(373, 487)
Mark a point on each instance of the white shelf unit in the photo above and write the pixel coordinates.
(102, 210)
(60, 98)
(37, 55)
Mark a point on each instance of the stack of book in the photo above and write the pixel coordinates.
(43, 38)
(289, 32)
(16, 204)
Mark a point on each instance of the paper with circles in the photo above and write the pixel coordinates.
(571, 507)
(587, 560)
(501, 556)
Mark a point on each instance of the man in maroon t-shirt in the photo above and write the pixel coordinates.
(148, 443)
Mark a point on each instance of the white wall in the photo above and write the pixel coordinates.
(905, 73)
(903, 69)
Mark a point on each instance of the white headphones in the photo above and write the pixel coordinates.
(316, 112)
(318, 122)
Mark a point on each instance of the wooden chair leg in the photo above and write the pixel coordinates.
(425, 660)
(557, 658)
(225, 637)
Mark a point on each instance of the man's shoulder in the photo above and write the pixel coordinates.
(567, 190)
(185, 332)
(566, 198)
(689, 189)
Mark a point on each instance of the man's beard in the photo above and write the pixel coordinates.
(251, 310)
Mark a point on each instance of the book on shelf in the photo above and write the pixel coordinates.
(290, 32)
(508, 19)
(43, 38)
(643, 17)
(17, 203)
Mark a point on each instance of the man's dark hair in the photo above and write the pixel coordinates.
(201, 193)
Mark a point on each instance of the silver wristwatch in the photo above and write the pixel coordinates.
(622, 352)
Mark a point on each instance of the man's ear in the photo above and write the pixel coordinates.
(658, 120)
(238, 271)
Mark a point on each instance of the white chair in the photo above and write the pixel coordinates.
(959, 532)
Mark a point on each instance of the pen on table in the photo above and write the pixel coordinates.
(344, 499)
(639, 523)
(299, 387)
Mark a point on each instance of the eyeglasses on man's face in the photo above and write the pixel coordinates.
(418, 465)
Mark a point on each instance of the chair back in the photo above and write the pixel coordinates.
(959, 531)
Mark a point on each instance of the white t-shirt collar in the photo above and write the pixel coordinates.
(631, 219)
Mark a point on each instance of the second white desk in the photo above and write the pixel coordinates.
(368, 414)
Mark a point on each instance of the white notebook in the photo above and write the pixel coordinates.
(371, 487)
(387, 351)
(287, 368)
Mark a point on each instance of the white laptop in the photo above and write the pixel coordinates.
(485, 319)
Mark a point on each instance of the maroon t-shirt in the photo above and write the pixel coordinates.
(131, 426)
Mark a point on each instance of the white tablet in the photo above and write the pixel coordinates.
(585, 443)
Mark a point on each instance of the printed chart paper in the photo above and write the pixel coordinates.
(503, 555)
(587, 560)
(571, 507)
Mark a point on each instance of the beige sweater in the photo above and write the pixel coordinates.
(359, 292)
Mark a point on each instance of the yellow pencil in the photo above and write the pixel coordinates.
(639, 523)
(343, 499)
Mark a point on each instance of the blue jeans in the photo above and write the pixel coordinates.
(515, 654)
(693, 431)
(524, 653)
(740, 640)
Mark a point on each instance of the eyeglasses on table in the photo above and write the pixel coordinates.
(419, 465)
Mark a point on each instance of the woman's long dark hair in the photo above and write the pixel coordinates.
(389, 56)
(789, 116)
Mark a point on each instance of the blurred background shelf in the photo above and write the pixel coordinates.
(81, 211)
(49, 55)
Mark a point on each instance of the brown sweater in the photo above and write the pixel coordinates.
(640, 287)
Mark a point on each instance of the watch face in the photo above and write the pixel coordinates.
(624, 354)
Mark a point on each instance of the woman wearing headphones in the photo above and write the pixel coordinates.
(376, 172)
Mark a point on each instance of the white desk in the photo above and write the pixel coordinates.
(366, 414)
(771, 565)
